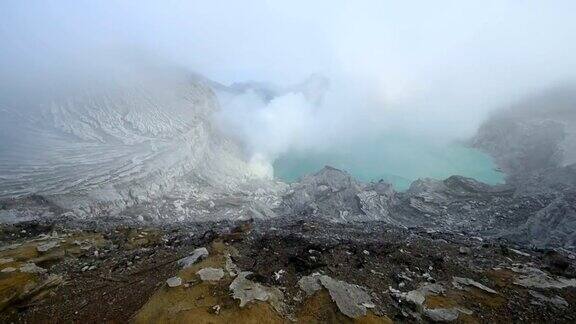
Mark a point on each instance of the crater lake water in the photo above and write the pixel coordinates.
(393, 158)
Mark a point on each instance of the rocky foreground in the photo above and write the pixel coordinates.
(165, 221)
(276, 271)
(325, 249)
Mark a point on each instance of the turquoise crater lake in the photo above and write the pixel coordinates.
(395, 159)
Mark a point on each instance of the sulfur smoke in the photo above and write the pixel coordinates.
(434, 69)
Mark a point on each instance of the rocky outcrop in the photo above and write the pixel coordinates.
(522, 146)
(433, 196)
(534, 142)
(376, 201)
(335, 195)
(352, 300)
(534, 134)
(249, 291)
(543, 218)
(554, 224)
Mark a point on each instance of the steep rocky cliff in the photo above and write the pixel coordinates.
(536, 133)
(534, 142)
(100, 151)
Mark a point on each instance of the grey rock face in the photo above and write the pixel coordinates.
(522, 145)
(536, 133)
(231, 268)
(31, 267)
(174, 282)
(442, 314)
(454, 204)
(330, 193)
(555, 301)
(47, 246)
(197, 255)
(459, 283)
(376, 201)
(335, 195)
(555, 224)
(534, 142)
(310, 284)
(412, 304)
(433, 196)
(535, 278)
(247, 291)
(352, 300)
(211, 274)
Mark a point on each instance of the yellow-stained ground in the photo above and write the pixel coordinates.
(13, 284)
(198, 302)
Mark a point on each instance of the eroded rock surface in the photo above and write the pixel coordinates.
(247, 291)
(281, 270)
(352, 300)
(197, 255)
(210, 274)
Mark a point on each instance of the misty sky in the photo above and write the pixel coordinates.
(422, 60)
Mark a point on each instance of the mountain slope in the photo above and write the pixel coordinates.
(117, 146)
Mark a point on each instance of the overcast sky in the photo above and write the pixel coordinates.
(457, 59)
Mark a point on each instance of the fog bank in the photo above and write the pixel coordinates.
(435, 69)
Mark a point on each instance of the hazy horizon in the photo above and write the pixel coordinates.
(435, 70)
